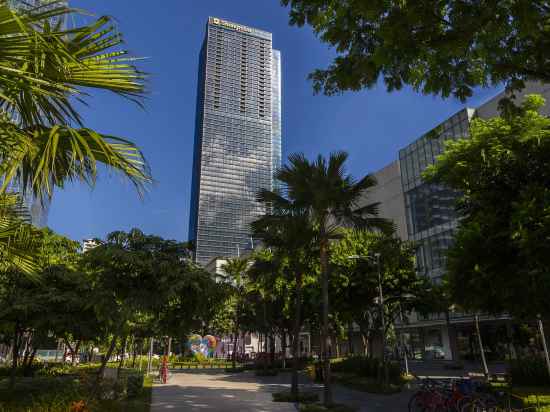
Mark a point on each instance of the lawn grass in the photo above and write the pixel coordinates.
(532, 396)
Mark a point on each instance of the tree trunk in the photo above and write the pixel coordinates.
(234, 354)
(283, 349)
(266, 349)
(134, 350)
(122, 355)
(265, 329)
(350, 339)
(91, 353)
(75, 352)
(272, 349)
(15, 355)
(105, 360)
(326, 339)
(71, 351)
(296, 339)
(26, 352)
(28, 366)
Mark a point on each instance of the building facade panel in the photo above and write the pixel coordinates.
(388, 193)
(430, 208)
(238, 137)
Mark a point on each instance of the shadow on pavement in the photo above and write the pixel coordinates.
(210, 398)
(245, 391)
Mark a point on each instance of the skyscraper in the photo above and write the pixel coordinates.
(41, 5)
(237, 136)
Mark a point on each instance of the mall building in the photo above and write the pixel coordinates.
(425, 214)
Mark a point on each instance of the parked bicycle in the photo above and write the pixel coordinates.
(446, 395)
(462, 395)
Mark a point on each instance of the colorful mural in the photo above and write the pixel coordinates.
(206, 345)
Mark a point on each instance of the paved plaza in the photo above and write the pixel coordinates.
(218, 391)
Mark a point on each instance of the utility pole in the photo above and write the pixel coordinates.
(382, 317)
(403, 343)
(541, 329)
(480, 342)
(150, 357)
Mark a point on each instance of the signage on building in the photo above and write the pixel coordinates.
(227, 24)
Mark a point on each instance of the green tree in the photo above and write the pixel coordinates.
(236, 275)
(50, 301)
(198, 305)
(500, 260)
(329, 198)
(44, 70)
(288, 230)
(133, 276)
(439, 47)
(354, 283)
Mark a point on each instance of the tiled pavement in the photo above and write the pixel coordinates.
(217, 391)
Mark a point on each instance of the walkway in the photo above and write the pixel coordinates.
(217, 391)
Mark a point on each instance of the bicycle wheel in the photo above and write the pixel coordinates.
(459, 404)
(474, 405)
(416, 403)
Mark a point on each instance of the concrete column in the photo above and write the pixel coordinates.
(445, 340)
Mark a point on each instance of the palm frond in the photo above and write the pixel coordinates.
(19, 241)
(44, 158)
(42, 68)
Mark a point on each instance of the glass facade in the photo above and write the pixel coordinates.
(44, 4)
(430, 208)
(237, 136)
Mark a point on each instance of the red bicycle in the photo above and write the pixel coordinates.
(438, 396)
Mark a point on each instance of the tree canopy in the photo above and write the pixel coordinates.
(500, 261)
(444, 47)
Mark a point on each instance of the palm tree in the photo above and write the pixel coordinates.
(287, 230)
(44, 69)
(235, 271)
(19, 241)
(330, 198)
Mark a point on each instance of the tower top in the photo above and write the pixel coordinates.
(226, 24)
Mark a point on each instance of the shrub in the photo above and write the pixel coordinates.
(235, 370)
(56, 369)
(303, 397)
(34, 368)
(370, 385)
(134, 385)
(266, 372)
(199, 357)
(320, 408)
(278, 363)
(529, 371)
(368, 367)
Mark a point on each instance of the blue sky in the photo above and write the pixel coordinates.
(371, 125)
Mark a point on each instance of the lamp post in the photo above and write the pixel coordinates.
(403, 343)
(543, 338)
